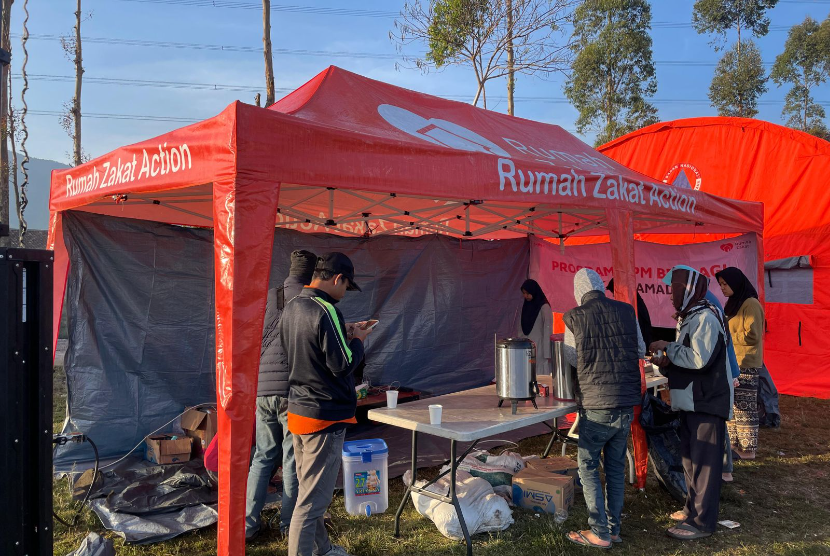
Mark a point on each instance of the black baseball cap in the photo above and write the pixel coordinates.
(338, 263)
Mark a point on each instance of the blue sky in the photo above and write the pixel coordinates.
(198, 82)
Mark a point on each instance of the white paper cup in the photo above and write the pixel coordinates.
(435, 414)
(391, 399)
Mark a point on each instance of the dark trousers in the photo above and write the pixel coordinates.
(701, 446)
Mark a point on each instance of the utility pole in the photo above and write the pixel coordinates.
(269, 62)
(77, 157)
(5, 58)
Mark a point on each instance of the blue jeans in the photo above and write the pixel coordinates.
(604, 431)
(274, 446)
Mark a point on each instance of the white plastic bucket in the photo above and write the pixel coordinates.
(365, 478)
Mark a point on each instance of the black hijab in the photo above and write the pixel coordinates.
(530, 309)
(643, 317)
(742, 289)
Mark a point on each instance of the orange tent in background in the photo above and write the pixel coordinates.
(789, 171)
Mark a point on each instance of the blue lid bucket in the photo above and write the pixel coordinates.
(365, 449)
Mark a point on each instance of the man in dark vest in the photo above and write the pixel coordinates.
(274, 442)
(604, 343)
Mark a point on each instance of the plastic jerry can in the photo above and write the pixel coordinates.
(365, 479)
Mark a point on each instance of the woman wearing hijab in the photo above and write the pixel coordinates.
(699, 380)
(537, 324)
(746, 324)
(643, 318)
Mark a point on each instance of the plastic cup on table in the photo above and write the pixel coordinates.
(391, 399)
(435, 414)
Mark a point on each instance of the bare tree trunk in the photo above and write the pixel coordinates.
(738, 67)
(269, 63)
(5, 43)
(77, 157)
(13, 167)
(511, 77)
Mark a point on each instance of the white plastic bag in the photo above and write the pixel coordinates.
(483, 510)
(496, 470)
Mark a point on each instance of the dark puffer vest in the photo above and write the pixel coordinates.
(273, 364)
(608, 370)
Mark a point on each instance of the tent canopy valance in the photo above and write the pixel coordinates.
(384, 151)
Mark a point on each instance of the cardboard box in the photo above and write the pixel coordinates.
(563, 466)
(542, 491)
(200, 424)
(166, 448)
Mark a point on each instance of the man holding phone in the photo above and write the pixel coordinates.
(321, 398)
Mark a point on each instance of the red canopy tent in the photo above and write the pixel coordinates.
(788, 171)
(353, 156)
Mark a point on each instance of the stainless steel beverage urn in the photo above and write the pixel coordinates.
(563, 372)
(516, 371)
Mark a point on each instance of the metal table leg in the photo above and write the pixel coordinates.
(455, 502)
(411, 484)
(451, 499)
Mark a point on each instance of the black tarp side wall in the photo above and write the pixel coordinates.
(141, 316)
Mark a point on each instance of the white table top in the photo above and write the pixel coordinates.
(474, 414)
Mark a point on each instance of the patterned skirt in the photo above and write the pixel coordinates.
(743, 429)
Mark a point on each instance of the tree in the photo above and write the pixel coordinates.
(71, 118)
(269, 61)
(5, 44)
(496, 38)
(719, 16)
(613, 72)
(805, 64)
(738, 82)
(735, 86)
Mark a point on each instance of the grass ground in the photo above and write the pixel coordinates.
(781, 500)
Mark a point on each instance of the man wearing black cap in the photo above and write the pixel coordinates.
(274, 442)
(321, 399)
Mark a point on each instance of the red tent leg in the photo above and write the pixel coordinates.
(621, 234)
(242, 248)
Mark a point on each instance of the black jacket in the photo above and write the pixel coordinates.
(699, 379)
(608, 369)
(273, 366)
(322, 363)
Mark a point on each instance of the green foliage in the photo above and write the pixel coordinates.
(804, 64)
(738, 82)
(613, 71)
(718, 16)
(454, 23)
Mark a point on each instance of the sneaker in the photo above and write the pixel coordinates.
(335, 550)
(252, 534)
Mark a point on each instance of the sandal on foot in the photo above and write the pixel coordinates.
(616, 540)
(577, 537)
(679, 515)
(696, 533)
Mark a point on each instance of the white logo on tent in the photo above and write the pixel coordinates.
(439, 132)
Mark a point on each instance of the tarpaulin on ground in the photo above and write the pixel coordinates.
(788, 171)
(141, 333)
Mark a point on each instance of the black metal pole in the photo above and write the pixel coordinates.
(455, 502)
(411, 484)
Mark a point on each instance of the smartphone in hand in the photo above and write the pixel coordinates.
(369, 324)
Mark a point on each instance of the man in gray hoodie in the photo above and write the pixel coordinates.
(604, 343)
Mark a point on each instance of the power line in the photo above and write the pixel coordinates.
(250, 88)
(98, 115)
(290, 51)
(227, 4)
